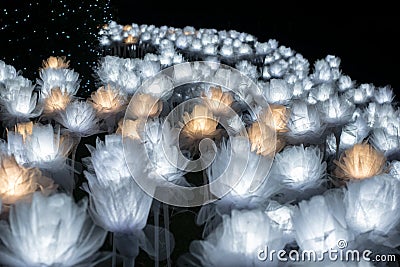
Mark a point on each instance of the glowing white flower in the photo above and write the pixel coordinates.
(279, 68)
(321, 92)
(336, 110)
(50, 231)
(362, 94)
(148, 69)
(6, 72)
(240, 169)
(46, 148)
(120, 206)
(237, 241)
(65, 79)
(345, 83)
(299, 168)
(120, 73)
(278, 92)
(282, 218)
(373, 204)
(248, 69)
(383, 116)
(388, 144)
(322, 72)
(107, 160)
(21, 102)
(319, 222)
(18, 183)
(304, 124)
(79, 118)
(383, 95)
(161, 140)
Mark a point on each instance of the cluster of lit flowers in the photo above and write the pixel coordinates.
(301, 156)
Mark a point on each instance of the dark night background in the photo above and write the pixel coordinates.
(365, 38)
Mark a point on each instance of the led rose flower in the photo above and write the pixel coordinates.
(360, 162)
(199, 124)
(279, 68)
(345, 83)
(336, 111)
(107, 100)
(325, 71)
(130, 128)
(143, 106)
(321, 93)
(163, 140)
(236, 241)
(263, 138)
(18, 183)
(248, 69)
(299, 168)
(6, 72)
(386, 143)
(79, 118)
(55, 63)
(319, 223)
(107, 160)
(383, 95)
(46, 148)
(56, 101)
(383, 116)
(278, 92)
(131, 39)
(240, 169)
(65, 79)
(50, 231)
(373, 204)
(24, 129)
(148, 69)
(282, 218)
(118, 204)
(277, 117)
(218, 102)
(304, 125)
(21, 103)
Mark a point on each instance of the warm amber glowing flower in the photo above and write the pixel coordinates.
(144, 106)
(18, 182)
(217, 100)
(279, 116)
(56, 101)
(130, 128)
(262, 138)
(24, 129)
(360, 162)
(107, 100)
(131, 39)
(127, 28)
(55, 63)
(200, 123)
